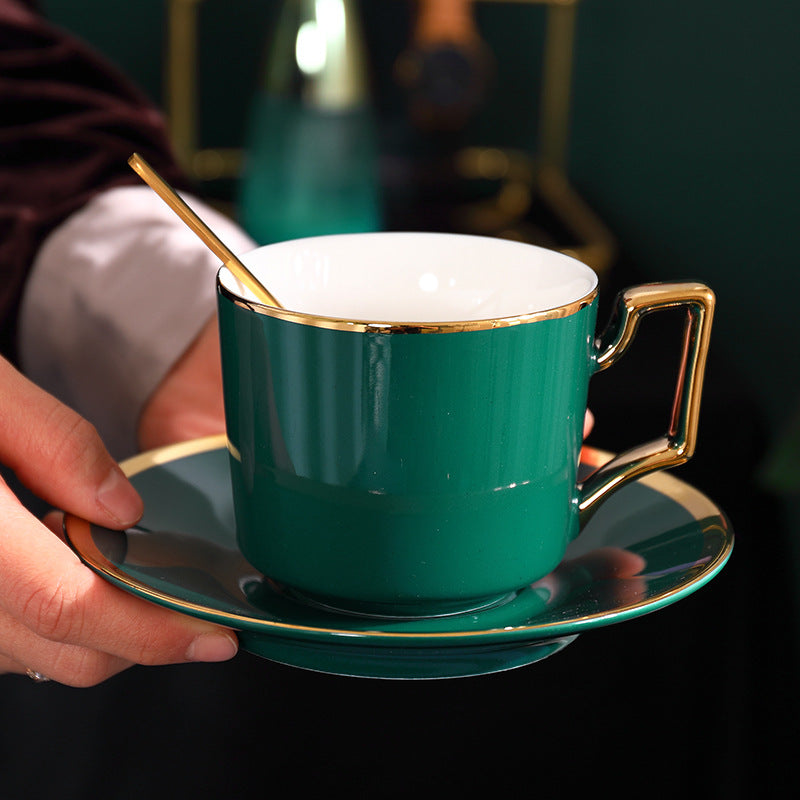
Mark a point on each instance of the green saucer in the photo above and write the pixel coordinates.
(651, 544)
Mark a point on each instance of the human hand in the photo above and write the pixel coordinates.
(188, 401)
(588, 423)
(56, 616)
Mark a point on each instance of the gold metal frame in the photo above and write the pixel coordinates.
(546, 175)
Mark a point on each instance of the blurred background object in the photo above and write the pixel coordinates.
(446, 66)
(311, 163)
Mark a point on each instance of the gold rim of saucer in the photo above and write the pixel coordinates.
(365, 326)
(694, 502)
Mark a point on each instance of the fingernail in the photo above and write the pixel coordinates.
(212, 647)
(119, 498)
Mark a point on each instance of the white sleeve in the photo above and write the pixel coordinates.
(116, 294)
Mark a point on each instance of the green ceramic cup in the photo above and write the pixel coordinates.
(404, 433)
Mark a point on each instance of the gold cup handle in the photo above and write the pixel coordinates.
(678, 445)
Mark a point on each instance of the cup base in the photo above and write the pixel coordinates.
(399, 611)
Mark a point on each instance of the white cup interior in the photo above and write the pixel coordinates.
(414, 277)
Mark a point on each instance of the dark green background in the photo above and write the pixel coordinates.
(684, 134)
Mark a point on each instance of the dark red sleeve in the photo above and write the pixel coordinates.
(68, 122)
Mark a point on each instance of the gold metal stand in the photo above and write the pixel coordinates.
(545, 174)
(522, 176)
(182, 97)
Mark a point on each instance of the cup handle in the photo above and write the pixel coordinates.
(678, 445)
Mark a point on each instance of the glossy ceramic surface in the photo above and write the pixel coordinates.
(654, 542)
(429, 465)
(391, 457)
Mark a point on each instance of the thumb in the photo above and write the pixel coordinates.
(58, 455)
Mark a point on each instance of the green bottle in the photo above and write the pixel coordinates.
(311, 162)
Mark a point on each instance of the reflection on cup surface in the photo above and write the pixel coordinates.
(405, 432)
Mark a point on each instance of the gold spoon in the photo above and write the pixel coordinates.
(174, 201)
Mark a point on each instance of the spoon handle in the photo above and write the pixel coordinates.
(181, 208)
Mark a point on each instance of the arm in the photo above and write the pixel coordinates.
(106, 298)
(118, 320)
(69, 121)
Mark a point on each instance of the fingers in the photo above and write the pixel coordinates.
(56, 616)
(588, 423)
(54, 522)
(67, 664)
(188, 402)
(59, 618)
(59, 456)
